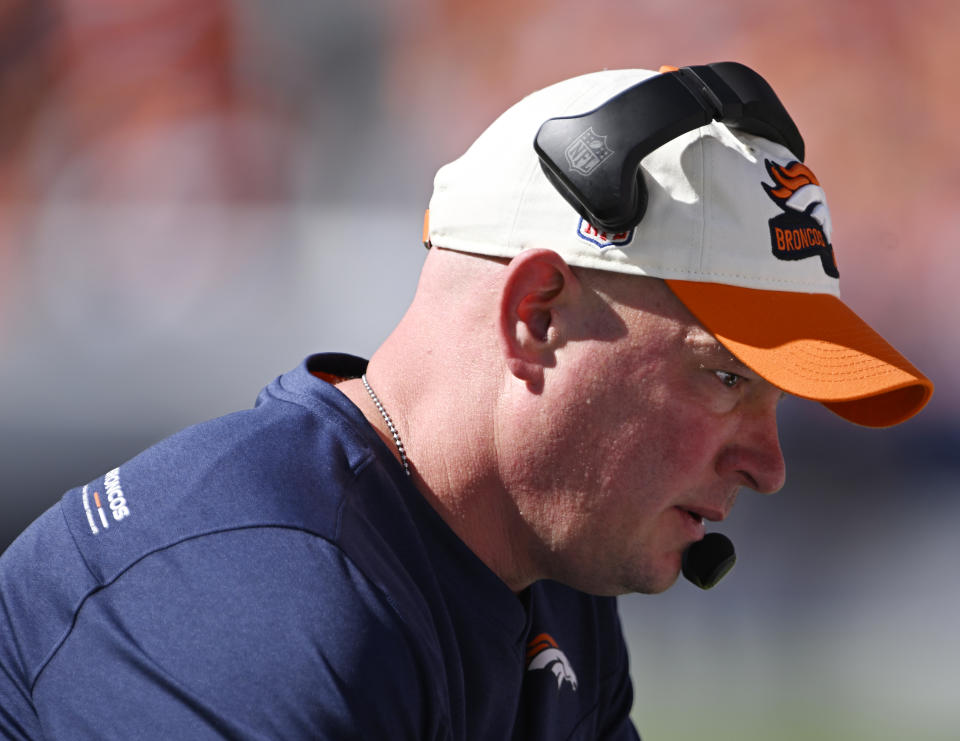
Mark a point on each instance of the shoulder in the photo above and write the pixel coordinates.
(260, 628)
(210, 575)
(256, 631)
(289, 462)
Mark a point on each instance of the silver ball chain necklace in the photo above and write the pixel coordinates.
(390, 426)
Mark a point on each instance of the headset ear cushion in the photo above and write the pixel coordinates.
(643, 195)
(751, 105)
(634, 217)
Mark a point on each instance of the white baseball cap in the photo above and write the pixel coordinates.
(735, 223)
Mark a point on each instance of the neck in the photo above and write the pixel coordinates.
(439, 376)
(458, 480)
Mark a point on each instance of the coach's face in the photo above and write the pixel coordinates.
(638, 440)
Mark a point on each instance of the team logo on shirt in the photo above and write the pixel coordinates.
(544, 653)
(95, 506)
(93, 503)
(803, 229)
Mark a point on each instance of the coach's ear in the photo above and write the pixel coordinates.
(537, 286)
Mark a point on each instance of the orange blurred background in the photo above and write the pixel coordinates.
(193, 196)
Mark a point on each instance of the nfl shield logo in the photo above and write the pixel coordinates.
(587, 152)
(602, 239)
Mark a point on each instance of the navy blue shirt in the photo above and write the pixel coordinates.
(273, 574)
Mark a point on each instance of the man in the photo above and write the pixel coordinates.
(428, 546)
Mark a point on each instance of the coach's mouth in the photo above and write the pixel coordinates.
(693, 524)
(710, 514)
(693, 515)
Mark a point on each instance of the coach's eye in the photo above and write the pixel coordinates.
(730, 380)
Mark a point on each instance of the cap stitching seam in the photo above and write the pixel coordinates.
(783, 281)
(704, 180)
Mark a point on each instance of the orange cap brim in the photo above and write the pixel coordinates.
(811, 345)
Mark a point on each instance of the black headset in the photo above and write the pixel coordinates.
(593, 159)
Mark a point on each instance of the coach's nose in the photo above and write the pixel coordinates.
(754, 455)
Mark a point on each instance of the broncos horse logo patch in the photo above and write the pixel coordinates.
(544, 653)
(803, 229)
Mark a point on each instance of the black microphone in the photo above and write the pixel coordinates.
(708, 560)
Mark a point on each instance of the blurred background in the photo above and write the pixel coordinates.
(194, 196)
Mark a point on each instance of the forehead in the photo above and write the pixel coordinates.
(661, 320)
(704, 345)
(648, 303)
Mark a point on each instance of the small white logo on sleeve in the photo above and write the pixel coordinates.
(118, 502)
(85, 497)
(88, 510)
